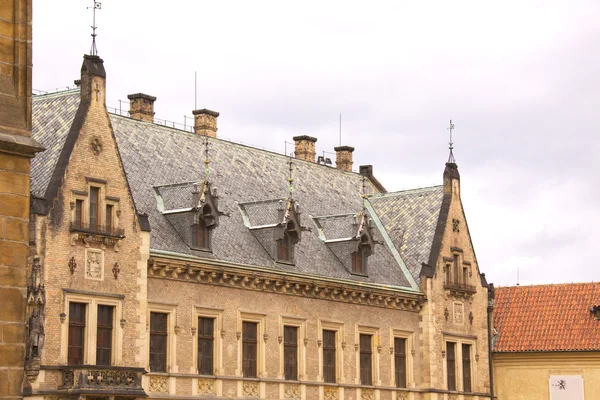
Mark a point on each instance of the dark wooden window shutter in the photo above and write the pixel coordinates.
(94, 207)
(206, 345)
(329, 356)
(75, 352)
(466, 366)
(104, 335)
(290, 353)
(249, 349)
(366, 356)
(451, 365)
(400, 361)
(158, 341)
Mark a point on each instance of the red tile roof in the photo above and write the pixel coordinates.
(547, 318)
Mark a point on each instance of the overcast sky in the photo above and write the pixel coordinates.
(520, 79)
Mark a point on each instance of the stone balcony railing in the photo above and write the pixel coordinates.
(100, 380)
(97, 229)
(458, 287)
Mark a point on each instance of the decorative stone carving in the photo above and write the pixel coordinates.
(446, 313)
(402, 395)
(279, 339)
(330, 393)
(459, 311)
(455, 225)
(238, 335)
(35, 335)
(250, 389)
(72, 265)
(96, 145)
(94, 264)
(305, 341)
(367, 394)
(292, 286)
(291, 391)
(62, 317)
(115, 270)
(123, 322)
(159, 384)
(206, 386)
(471, 317)
(193, 330)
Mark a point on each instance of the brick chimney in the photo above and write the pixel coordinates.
(141, 107)
(343, 157)
(305, 147)
(205, 122)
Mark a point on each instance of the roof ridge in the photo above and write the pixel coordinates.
(407, 191)
(54, 94)
(547, 284)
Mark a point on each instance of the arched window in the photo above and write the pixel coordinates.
(200, 235)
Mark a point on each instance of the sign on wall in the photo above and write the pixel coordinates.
(566, 387)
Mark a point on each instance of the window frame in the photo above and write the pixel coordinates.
(171, 310)
(161, 333)
(408, 336)
(93, 300)
(198, 226)
(112, 328)
(338, 327)
(260, 320)
(366, 350)
(375, 345)
(83, 326)
(289, 248)
(459, 341)
(300, 323)
(103, 201)
(199, 311)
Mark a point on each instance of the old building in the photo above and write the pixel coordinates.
(16, 150)
(547, 344)
(175, 264)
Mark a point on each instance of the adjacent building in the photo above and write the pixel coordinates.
(547, 343)
(177, 265)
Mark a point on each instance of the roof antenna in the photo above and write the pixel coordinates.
(195, 90)
(451, 157)
(340, 129)
(97, 6)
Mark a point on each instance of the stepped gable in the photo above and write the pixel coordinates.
(410, 218)
(557, 317)
(52, 116)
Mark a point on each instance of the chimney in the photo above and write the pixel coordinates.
(141, 107)
(305, 147)
(205, 122)
(343, 157)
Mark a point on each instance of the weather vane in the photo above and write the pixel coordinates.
(97, 6)
(451, 157)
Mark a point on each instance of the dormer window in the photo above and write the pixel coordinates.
(200, 235)
(285, 245)
(359, 257)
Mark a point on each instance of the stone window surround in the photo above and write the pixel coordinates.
(261, 320)
(93, 300)
(300, 323)
(171, 310)
(199, 311)
(408, 336)
(459, 340)
(374, 331)
(104, 200)
(340, 343)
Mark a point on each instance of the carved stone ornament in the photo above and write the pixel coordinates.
(356, 346)
(330, 393)
(459, 311)
(159, 384)
(96, 146)
(291, 391)
(222, 334)
(319, 342)
(280, 339)
(123, 322)
(308, 288)
(94, 264)
(72, 265)
(379, 349)
(343, 345)
(62, 317)
(177, 329)
(266, 337)
(367, 394)
(477, 357)
(305, 341)
(250, 389)
(402, 395)
(446, 313)
(115, 270)
(455, 225)
(238, 335)
(471, 317)
(206, 386)
(443, 353)
(391, 350)
(35, 344)
(193, 330)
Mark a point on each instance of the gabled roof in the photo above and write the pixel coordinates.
(162, 164)
(547, 318)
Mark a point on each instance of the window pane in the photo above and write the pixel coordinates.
(94, 196)
(158, 342)
(205, 345)
(104, 335)
(456, 275)
(366, 375)
(78, 212)
(200, 235)
(249, 349)
(329, 356)
(466, 364)
(109, 211)
(76, 341)
(450, 365)
(290, 352)
(400, 361)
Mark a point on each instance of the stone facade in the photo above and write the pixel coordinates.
(116, 264)
(16, 149)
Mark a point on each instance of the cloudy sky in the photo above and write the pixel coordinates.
(520, 79)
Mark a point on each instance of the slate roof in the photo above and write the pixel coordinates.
(410, 218)
(547, 318)
(162, 164)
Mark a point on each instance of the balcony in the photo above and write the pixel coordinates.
(95, 380)
(460, 288)
(101, 230)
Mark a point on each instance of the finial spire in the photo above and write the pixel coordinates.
(291, 178)
(451, 157)
(97, 6)
(206, 158)
(364, 190)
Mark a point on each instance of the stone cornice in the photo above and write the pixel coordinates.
(280, 283)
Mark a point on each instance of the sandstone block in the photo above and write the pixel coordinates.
(14, 206)
(14, 183)
(13, 306)
(16, 230)
(13, 254)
